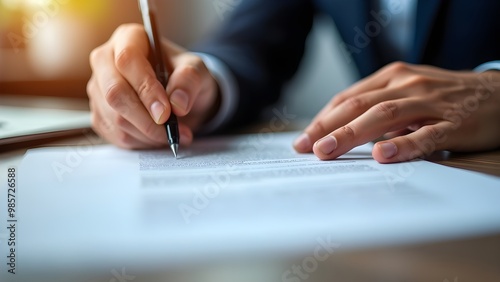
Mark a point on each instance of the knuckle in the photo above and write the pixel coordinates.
(331, 106)
(127, 27)
(412, 147)
(146, 87)
(387, 110)
(356, 104)
(95, 55)
(91, 86)
(430, 86)
(420, 81)
(190, 72)
(433, 133)
(125, 58)
(337, 100)
(348, 131)
(121, 122)
(121, 28)
(198, 62)
(397, 67)
(113, 95)
(318, 127)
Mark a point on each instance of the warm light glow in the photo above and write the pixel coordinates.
(90, 8)
(12, 4)
(37, 2)
(16, 4)
(52, 39)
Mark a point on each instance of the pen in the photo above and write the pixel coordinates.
(161, 67)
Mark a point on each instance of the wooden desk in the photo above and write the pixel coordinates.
(485, 162)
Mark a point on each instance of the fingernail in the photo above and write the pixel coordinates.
(157, 110)
(389, 149)
(327, 145)
(180, 100)
(303, 142)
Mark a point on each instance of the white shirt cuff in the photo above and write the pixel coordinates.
(493, 65)
(228, 91)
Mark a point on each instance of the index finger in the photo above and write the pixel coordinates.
(131, 50)
(382, 118)
(341, 115)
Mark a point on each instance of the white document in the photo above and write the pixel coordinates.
(103, 207)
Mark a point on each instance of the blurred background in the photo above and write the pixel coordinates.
(45, 44)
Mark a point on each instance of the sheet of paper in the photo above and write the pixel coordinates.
(103, 207)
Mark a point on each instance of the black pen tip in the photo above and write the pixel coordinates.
(175, 149)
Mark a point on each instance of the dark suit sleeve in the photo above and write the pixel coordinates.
(262, 43)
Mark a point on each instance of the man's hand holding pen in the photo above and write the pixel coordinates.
(129, 105)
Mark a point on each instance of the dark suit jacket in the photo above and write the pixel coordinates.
(264, 40)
